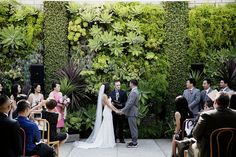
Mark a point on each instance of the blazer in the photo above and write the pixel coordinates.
(131, 106)
(11, 143)
(210, 121)
(204, 97)
(193, 97)
(122, 97)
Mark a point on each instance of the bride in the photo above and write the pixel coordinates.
(102, 135)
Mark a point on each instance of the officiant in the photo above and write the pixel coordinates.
(119, 98)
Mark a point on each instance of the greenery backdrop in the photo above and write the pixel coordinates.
(154, 43)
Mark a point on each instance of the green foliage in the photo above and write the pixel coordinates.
(211, 28)
(55, 40)
(74, 121)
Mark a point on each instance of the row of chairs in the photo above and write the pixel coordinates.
(45, 127)
(222, 141)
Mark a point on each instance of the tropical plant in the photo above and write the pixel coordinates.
(89, 116)
(74, 121)
(198, 76)
(74, 84)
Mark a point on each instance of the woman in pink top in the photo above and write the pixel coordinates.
(57, 95)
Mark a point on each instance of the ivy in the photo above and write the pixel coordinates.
(55, 41)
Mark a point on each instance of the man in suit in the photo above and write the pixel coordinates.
(119, 99)
(211, 120)
(206, 90)
(193, 96)
(11, 144)
(131, 112)
(32, 133)
(224, 85)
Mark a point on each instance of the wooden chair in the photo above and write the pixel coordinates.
(223, 142)
(46, 127)
(23, 136)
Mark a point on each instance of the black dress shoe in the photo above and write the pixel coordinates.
(122, 141)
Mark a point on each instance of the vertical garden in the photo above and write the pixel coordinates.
(85, 45)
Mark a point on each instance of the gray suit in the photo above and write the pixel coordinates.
(204, 97)
(226, 90)
(131, 111)
(193, 97)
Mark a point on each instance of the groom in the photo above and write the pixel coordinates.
(131, 111)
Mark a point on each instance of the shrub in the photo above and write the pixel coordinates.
(55, 40)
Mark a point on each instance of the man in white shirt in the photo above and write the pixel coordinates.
(224, 85)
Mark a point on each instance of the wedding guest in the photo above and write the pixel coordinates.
(224, 85)
(119, 98)
(193, 96)
(206, 90)
(220, 117)
(57, 95)
(32, 133)
(233, 102)
(182, 113)
(16, 91)
(52, 117)
(9, 131)
(35, 97)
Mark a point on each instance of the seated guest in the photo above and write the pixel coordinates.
(224, 85)
(193, 96)
(52, 117)
(232, 103)
(182, 113)
(9, 131)
(211, 120)
(32, 133)
(208, 105)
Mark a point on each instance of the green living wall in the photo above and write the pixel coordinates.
(55, 39)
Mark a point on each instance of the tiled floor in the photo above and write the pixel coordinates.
(147, 148)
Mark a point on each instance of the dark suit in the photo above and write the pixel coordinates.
(210, 121)
(119, 120)
(11, 145)
(204, 97)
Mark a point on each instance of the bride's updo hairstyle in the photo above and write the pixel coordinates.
(107, 88)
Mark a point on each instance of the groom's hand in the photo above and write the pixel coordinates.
(119, 112)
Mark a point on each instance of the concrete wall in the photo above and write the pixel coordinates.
(192, 3)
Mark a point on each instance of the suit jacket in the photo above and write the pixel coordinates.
(11, 144)
(204, 97)
(210, 121)
(122, 97)
(131, 106)
(226, 90)
(193, 97)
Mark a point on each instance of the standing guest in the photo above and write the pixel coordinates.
(182, 113)
(35, 97)
(32, 133)
(57, 95)
(9, 131)
(224, 86)
(193, 96)
(119, 98)
(206, 90)
(220, 117)
(52, 117)
(232, 103)
(16, 91)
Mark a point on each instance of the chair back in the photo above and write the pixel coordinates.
(187, 127)
(223, 142)
(23, 137)
(43, 125)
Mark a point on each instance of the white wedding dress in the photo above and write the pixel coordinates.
(103, 132)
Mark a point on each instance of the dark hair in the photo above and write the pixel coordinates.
(117, 80)
(207, 80)
(51, 104)
(54, 84)
(226, 81)
(3, 99)
(223, 100)
(22, 105)
(107, 88)
(192, 81)
(233, 102)
(35, 85)
(134, 82)
(14, 90)
(181, 105)
(209, 103)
